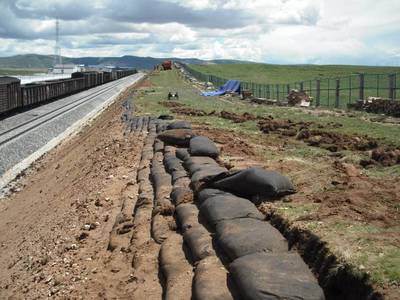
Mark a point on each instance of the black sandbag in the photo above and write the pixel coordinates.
(226, 207)
(275, 276)
(199, 241)
(179, 137)
(256, 182)
(166, 117)
(177, 271)
(179, 125)
(206, 173)
(203, 146)
(210, 280)
(181, 195)
(239, 237)
(177, 175)
(182, 154)
(173, 164)
(187, 216)
(206, 193)
(198, 160)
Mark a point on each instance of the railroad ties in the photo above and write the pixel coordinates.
(190, 237)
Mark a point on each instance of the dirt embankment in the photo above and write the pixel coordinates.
(55, 234)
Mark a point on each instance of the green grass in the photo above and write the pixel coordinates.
(274, 74)
(13, 72)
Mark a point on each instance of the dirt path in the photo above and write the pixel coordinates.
(57, 233)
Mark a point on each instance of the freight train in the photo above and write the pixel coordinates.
(15, 96)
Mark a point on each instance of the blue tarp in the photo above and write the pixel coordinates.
(229, 86)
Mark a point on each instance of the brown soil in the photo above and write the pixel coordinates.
(171, 104)
(236, 118)
(190, 111)
(145, 83)
(334, 141)
(55, 234)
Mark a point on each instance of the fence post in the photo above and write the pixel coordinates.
(337, 93)
(277, 92)
(318, 92)
(301, 86)
(392, 81)
(361, 87)
(288, 89)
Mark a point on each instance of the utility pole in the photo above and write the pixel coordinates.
(57, 48)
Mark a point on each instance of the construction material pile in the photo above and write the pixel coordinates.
(378, 106)
(296, 97)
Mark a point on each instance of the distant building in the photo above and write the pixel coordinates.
(66, 69)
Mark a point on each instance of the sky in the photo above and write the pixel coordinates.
(269, 31)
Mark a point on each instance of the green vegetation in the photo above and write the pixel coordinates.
(274, 74)
(13, 72)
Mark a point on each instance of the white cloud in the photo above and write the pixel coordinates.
(279, 31)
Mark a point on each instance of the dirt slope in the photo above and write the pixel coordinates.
(55, 232)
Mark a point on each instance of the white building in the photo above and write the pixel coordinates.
(66, 69)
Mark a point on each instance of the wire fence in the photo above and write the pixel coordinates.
(328, 92)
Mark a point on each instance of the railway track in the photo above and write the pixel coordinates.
(25, 138)
(53, 114)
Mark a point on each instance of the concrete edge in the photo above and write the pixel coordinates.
(68, 134)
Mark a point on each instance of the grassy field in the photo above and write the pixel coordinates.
(366, 246)
(274, 74)
(13, 72)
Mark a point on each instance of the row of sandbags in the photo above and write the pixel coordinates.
(255, 254)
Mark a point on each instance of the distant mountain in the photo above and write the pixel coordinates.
(30, 61)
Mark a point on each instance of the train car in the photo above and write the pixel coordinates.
(14, 95)
(10, 94)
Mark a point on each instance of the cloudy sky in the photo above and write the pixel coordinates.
(271, 31)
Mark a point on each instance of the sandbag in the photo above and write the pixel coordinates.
(239, 237)
(179, 137)
(275, 276)
(177, 175)
(178, 272)
(226, 207)
(182, 154)
(205, 174)
(199, 241)
(173, 164)
(187, 216)
(203, 146)
(198, 160)
(206, 193)
(158, 146)
(210, 280)
(181, 195)
(160, 227)
(197, 163)
(179, 125)
(256, 182)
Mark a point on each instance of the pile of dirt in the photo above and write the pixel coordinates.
(171, 104)
(334, 141)
(295, 97)
(237, 118)
(191, 111)
(385, 156)
(284, 127)
(230, 143)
